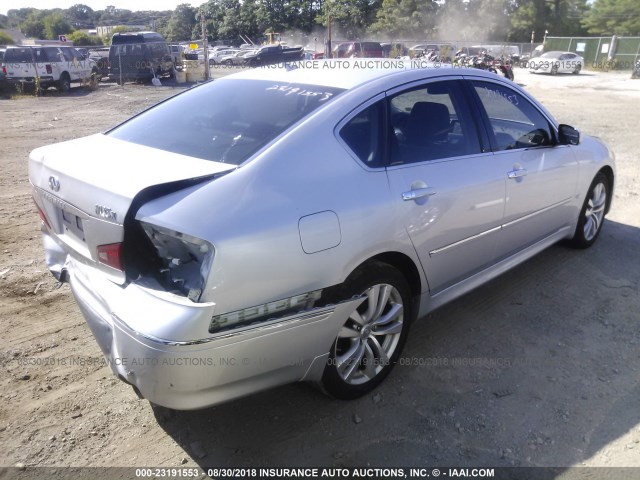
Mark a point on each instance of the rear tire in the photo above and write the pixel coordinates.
(371, 340)
(577, 69)
(64, 83)
(592, 213)
(554, 70)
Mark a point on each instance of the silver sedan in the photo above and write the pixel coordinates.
(288, 224)
(557, 62)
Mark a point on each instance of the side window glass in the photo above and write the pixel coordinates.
(364, 135)
(68, 54)
(48, 55)
(515, 122)
(77, 55)
(431, 122)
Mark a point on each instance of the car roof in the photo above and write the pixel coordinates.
(557, 53)
(350, 73)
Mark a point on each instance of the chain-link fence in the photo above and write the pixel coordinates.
(600, 53)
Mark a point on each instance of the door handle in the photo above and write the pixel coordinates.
(520, 172)
(418, 193)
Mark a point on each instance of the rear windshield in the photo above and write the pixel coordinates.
(30, 54)
(226, 120)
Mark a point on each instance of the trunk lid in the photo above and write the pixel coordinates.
(85, 188)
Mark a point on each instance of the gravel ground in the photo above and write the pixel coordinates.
(540, 367)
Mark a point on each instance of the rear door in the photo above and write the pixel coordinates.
(56, 58)
(70, 64)
(81, 64)
(447, 189)
(541, 176)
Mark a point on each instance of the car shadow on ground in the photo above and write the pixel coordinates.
(537, 368)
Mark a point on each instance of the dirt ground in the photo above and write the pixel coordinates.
(541, 367)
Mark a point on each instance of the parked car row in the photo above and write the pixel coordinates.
(131, 56)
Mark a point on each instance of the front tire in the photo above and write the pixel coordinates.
(371, 340)
(94, 80)
(592, 213)
(577, 69)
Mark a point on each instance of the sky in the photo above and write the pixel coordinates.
(6, 5)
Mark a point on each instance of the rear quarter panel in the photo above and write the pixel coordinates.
(252, 215)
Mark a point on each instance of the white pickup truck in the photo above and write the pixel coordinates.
(53, 66)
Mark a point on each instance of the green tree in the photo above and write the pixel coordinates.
(16, 16)
(558, 17)
(82, 39)
(351, 18)
(607, 17)
(55, 24)
(181, 23)
(80, 15)
(252, 21)
(117, 16)
(5, 38)
(406, 18)
(33, 24)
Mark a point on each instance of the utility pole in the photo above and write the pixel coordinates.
(205, 50)
(329, 48)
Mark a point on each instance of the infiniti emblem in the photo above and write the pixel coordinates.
(54, 183)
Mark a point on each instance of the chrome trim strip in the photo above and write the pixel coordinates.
(464, 240)
(64, 205)
(495, 229)
(313, 315)
(537, 212)
(59, 203)
(480, 278)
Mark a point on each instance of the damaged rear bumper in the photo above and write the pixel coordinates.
(160, 343)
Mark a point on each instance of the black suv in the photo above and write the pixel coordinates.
(139, 56)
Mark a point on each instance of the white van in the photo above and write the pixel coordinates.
(55, 66)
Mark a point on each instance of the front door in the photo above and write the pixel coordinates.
(541, 176)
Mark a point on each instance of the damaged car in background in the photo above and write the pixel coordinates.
(283, 225)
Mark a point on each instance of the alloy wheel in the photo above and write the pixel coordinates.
(370, 336)
(594, 213)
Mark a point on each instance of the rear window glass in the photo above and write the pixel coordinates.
(29, 55)
(226, 120)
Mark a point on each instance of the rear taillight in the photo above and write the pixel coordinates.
(111, 255)
(48, 67)
(43, 217)
(4, 69)
(185, 260)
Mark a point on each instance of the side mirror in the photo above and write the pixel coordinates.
(567, 135)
